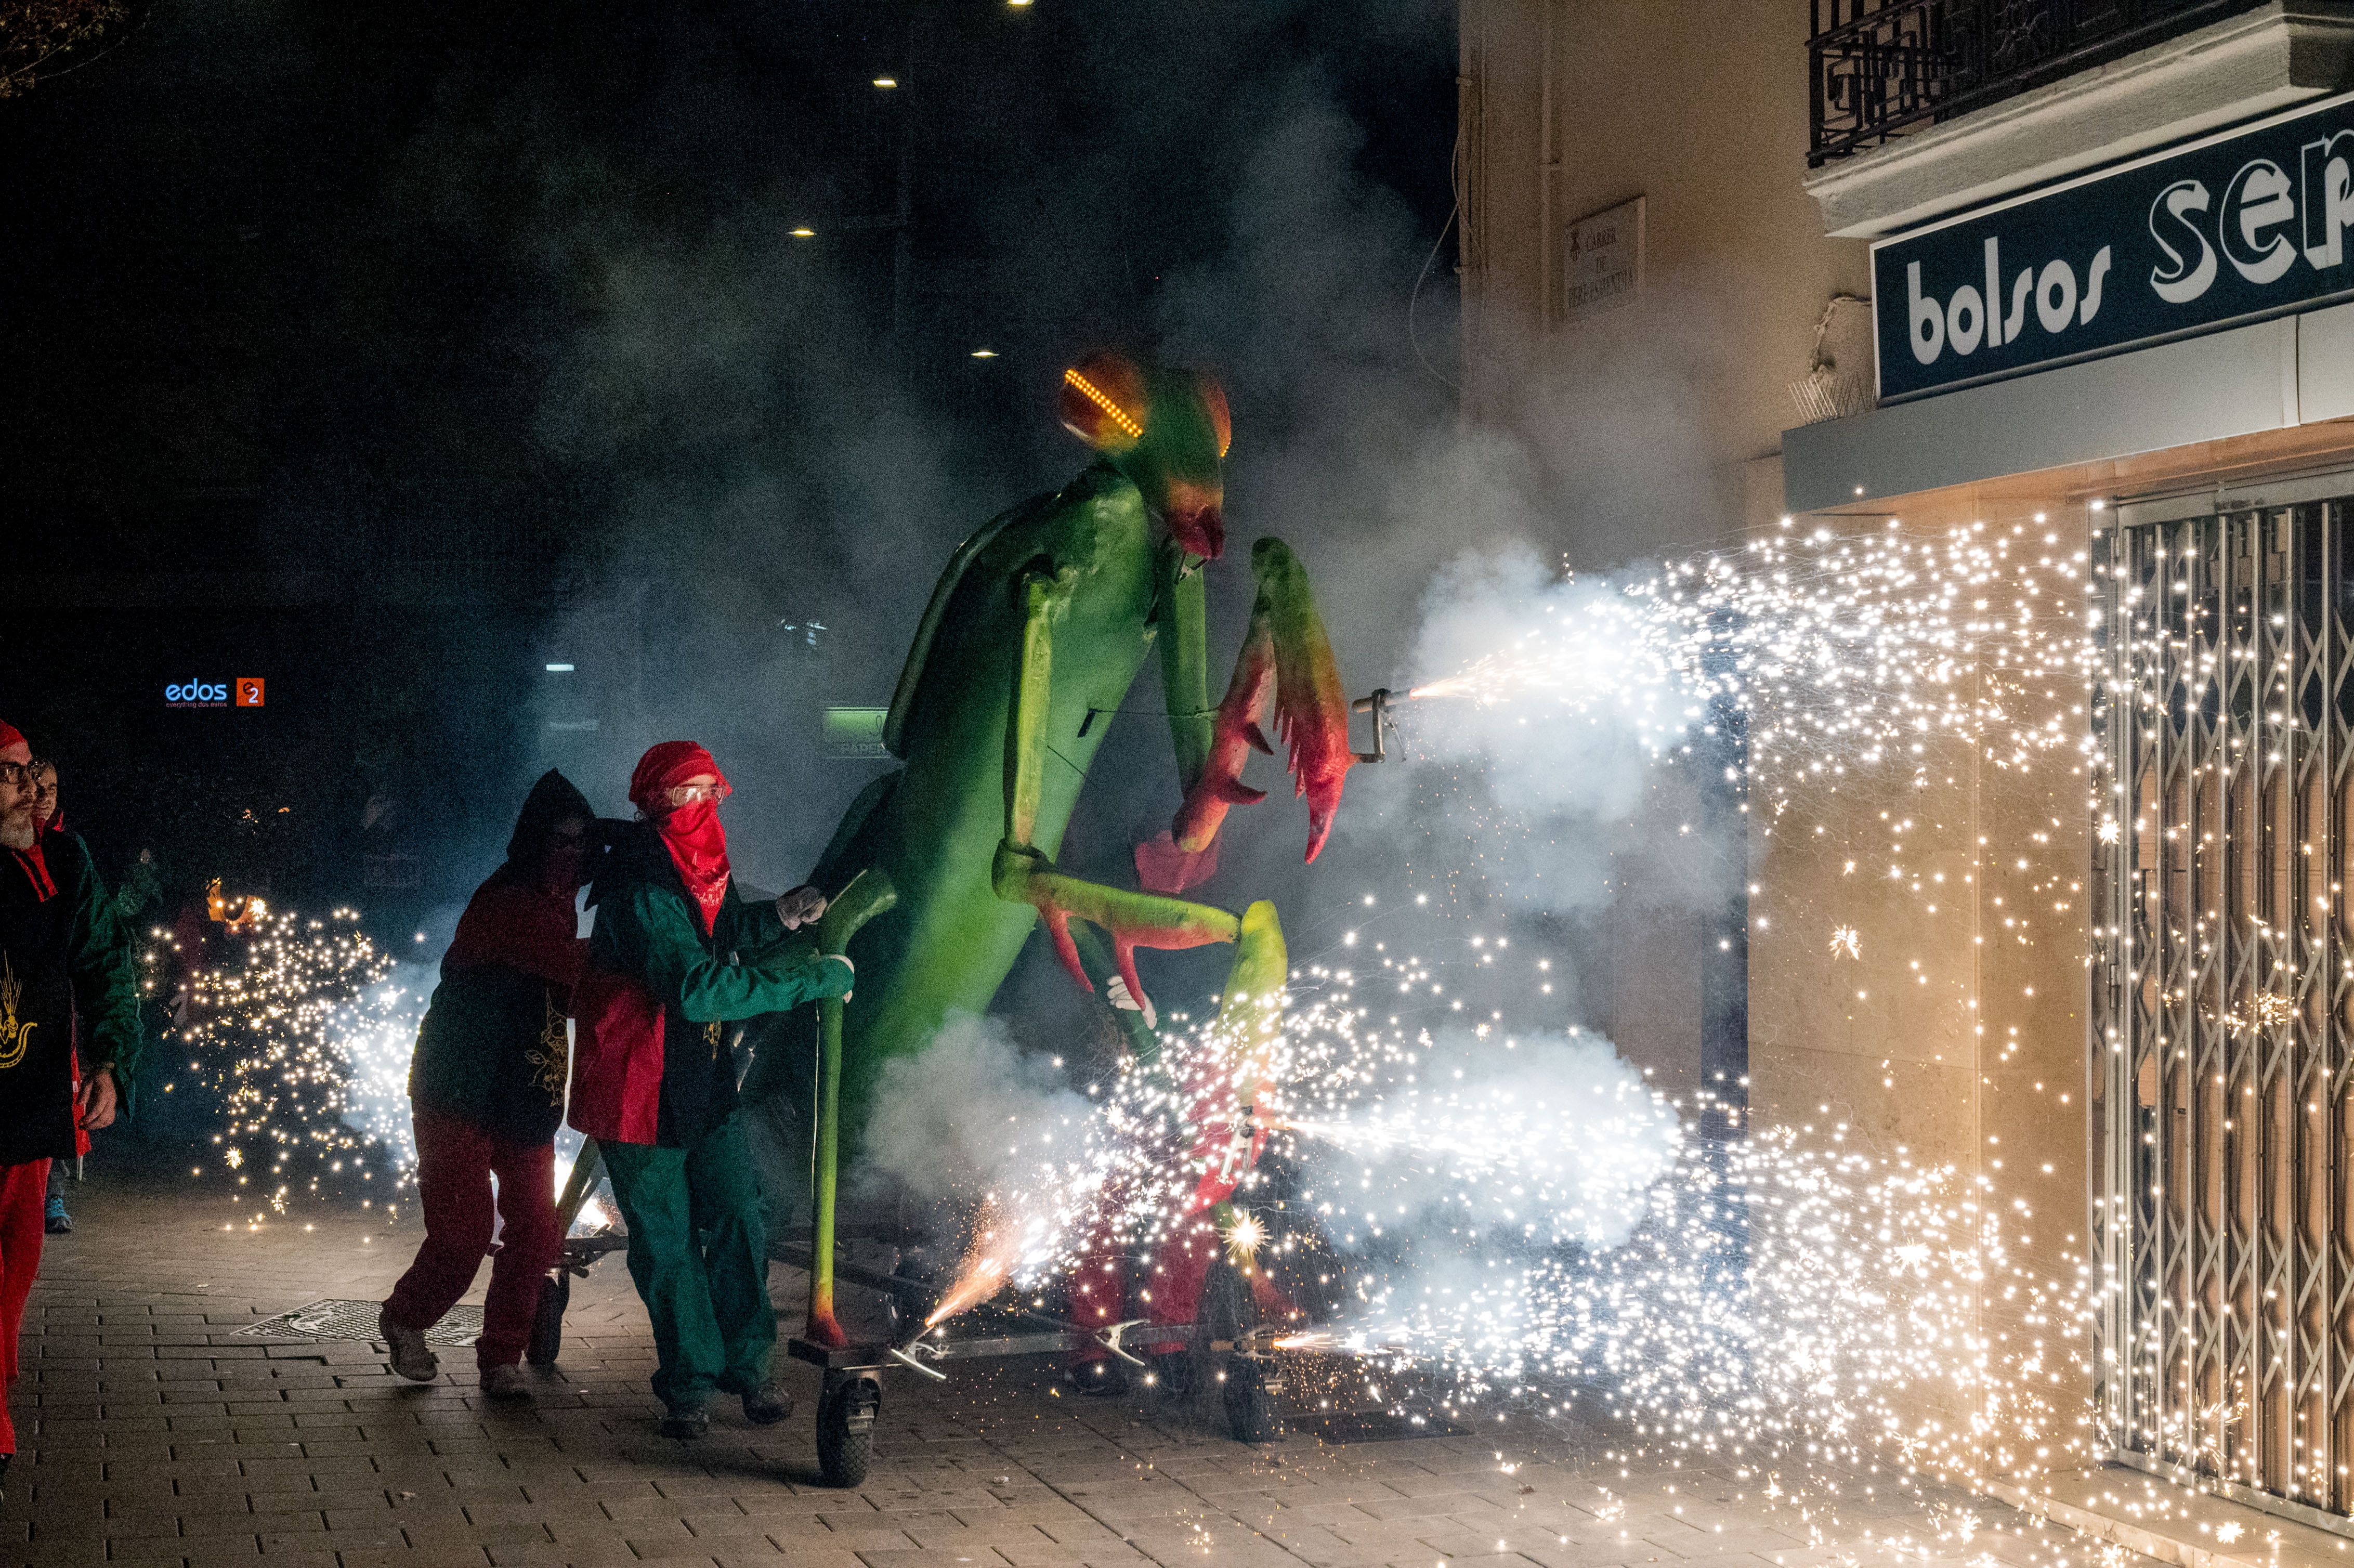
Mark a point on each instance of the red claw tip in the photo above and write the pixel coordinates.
(1163, 867)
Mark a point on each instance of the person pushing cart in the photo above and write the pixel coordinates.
(673, 958)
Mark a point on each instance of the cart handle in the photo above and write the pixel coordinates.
(870, 893)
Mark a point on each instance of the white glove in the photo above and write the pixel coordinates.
(1127, 1001)
(801, 905)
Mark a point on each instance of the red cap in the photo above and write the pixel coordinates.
(10, 735)
(671, 763)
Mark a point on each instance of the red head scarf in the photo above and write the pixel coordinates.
(692, 833)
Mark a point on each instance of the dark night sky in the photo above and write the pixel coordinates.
(384, 349)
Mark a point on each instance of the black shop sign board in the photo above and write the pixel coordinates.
(2233, 227)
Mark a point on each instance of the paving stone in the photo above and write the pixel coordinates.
(155, 1436)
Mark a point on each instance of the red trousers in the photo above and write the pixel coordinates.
(455, 1161)
(1101, 1289)
(22, 1191)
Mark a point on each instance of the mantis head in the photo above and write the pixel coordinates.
(1167, 432)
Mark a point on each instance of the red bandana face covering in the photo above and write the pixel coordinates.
(692, 833)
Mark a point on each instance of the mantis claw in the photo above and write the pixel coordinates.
(1131, 920)
(1286, 658)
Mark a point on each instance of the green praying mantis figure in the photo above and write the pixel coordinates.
(1032, 641)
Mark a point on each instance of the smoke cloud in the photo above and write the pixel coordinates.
(1553, 708)
(1479, 1144)
(968, 1114)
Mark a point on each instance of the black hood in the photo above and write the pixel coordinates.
(551, 800)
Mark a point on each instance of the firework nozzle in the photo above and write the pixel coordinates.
(904, 1360)
(1377, 705)
(1110, 1335)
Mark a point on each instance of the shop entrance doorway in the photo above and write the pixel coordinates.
(2222, 1001)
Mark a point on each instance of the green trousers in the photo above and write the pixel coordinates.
(699, 1254)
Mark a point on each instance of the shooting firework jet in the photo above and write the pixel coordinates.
(1000, 1241)
(1841, 653)
(306, 1040)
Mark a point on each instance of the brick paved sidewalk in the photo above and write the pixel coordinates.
(153, 1436)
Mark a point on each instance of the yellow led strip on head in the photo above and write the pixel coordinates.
(1093, 394)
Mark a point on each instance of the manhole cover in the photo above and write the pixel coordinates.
(356, 1321)
(1371, 1426)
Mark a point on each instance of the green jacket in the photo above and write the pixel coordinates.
(647, 930)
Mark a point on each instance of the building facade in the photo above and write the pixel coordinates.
(2073, 279)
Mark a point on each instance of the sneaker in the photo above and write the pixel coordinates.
(506, 1382)
(686, 1424)
(412, 1358)
(766, 1406)
(55, 1220)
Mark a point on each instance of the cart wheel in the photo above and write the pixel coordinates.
(1250, 1406)
(547, 1320)
(845, 1427)
(1227, 1311)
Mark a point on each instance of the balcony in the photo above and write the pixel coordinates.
(1927, 107)
(1881, 68)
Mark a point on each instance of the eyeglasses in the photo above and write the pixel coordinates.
(17, 773)
(685, 794)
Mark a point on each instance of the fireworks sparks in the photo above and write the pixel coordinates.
(997, 1250)
(1243, 1238)
(1520, 1223)
(305, 1037)
(2264, 1011)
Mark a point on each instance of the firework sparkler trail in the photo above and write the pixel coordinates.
(305, 1039)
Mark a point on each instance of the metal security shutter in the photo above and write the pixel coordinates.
(2220, 981)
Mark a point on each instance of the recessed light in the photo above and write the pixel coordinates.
(804, 234)
(559, 669)
(984, 354)
(886, 82)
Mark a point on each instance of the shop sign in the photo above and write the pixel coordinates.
(2215, 233)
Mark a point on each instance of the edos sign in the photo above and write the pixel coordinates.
(2233, 229)
(244, 692)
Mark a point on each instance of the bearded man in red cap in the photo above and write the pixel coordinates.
(675, 956)
(62, 957)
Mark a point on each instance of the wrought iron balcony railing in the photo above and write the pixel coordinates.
(1882, 68)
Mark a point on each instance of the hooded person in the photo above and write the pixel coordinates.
(675, 957)
(486, 1093)
(63, 960)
